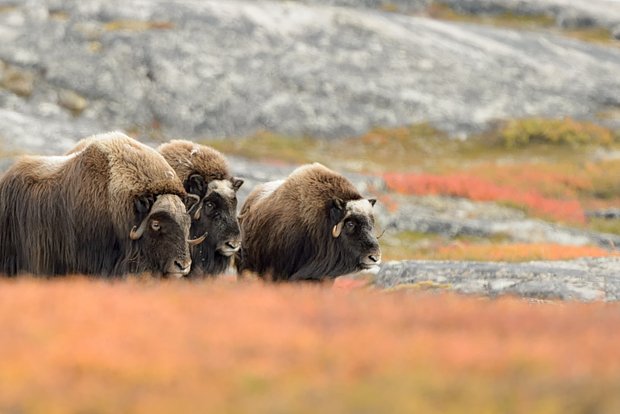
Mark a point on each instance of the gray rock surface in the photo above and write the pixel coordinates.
(231, 68)
(608, 213)
(583, 279)
(456, 217)
(400, 6)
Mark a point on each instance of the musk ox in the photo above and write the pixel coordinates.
(112, 206)
(206, 175)
(314, 225)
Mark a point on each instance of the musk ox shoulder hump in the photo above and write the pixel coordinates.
(135, 168)
(259, 193)
(41, 167)
(314, 185)
(187, 158)
(267, 189)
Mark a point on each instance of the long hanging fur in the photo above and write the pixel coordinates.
(73, 213)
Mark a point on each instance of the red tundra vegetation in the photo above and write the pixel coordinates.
(161, 346)
(478, 189)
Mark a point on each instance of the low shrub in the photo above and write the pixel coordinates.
(567, 131)
(518, 252)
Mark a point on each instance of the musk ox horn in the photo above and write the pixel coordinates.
(198, 206)
(337, 229)
(137, 232)
(196, 215)
(196, 203)
(197, 241)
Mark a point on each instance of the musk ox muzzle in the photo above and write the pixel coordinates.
(371, 260)
(229, 247)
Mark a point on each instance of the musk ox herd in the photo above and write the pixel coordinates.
(113, 206)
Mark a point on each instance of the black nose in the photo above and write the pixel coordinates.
(374, 258)
(180, 265)
(232, 245)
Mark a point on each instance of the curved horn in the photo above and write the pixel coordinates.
(137, 232)
(196, 202)
(196, 215)
(197, 241)
(198, 206)
(337, 229)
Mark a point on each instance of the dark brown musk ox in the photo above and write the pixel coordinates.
(312, 226)
(111, 206)
(205, 173)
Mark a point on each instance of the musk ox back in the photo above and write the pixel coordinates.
(205, 174)
(312, 226)
(110, 207)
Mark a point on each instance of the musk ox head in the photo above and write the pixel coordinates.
(352, 227)
(162, 236)
(215, 213)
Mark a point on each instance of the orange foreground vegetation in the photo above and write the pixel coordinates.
(151, 346)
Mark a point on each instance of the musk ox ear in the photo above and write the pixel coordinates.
(236, 183)
(372, 201)
(142, 206)
(336, 210)
(195, 184)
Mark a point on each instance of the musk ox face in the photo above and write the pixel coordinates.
(216, 213)
(162, 235)
(353, 227)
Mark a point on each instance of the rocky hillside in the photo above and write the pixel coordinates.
(162, 69)
(231, 68)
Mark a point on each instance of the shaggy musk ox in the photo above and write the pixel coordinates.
(205, 174)
(109, 207)
(312, 226)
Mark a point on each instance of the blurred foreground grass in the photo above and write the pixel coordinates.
(74, 345)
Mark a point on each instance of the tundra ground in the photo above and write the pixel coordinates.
(551, 170)
(78, 345)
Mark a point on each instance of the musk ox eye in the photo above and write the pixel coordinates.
(350, 225)
(155, 225)
(210, 205)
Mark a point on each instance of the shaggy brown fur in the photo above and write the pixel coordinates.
(312, 226)
(205, 173)
(187, 158)
(74, 213)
